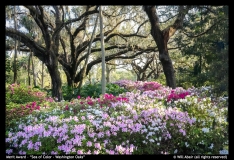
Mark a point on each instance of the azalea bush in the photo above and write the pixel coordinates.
(91, 90)
(95, 90)
(210, 130)
(143, 121)
(138, 85)
(20, 94)
(16, 111)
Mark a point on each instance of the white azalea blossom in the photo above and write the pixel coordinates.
(194, 119)
(153, 124)
(223, 152)
(205, 130)
(149, 134)
(156, 129)
(212, 114)
(202, 142)
(211, 146)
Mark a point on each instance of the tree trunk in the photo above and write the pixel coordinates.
(70, 80)
(168, 69)
(29, 78)
(52, 65)
(161, 38)
(42, 76)
(33, 71)
(107, 74)
(103, 53)
(83, 73)
(15, 57)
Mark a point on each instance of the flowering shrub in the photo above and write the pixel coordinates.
(108, 99)
(210, 128)
(94, 90)
(128, 84)
(175, 95)
(23, 100)
(20, 111)
(124, 83)
(20, 94)
(138, 85)
(150, 86)
(16, 111)
(137, 122)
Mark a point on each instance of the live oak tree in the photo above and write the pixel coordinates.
(48, 52)
(161, 38)
(54, 26)
(114, 18)
(65, 37)
(16, 44)
(200, 26)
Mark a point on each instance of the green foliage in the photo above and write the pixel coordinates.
(209, 51)
(207, 126)
(21, 100)
(69, 92)
(122, 74)
(22, 94)
(94, 90)
(16, 111)
(91, 90)
(8, 69)
(161, 79)
(114, 89)
(47, 91)
(219, 73)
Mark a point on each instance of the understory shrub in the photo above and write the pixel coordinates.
(20, 94)
(91, 90)
(160, 121)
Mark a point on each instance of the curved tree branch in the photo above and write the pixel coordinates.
(109, 31)
(38, 50)
(37, 15)
(178, 24)
(9, 48)
(76, 19)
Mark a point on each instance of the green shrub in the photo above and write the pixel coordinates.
(209, 123)
(21, 94)
(95, 90)
(69, 92)
(16, 111)
(114, 89)
(91, 90)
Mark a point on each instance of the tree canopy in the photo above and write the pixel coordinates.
(64, 35)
